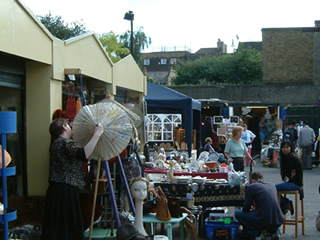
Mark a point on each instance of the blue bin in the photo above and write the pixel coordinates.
(212, 228)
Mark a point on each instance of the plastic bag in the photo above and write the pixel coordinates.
(236, 178)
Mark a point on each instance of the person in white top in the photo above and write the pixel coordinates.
(248, 138)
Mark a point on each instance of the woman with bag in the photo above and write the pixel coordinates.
(236, 149)
(63, 220)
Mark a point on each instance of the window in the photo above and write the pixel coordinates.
(159, 127)
(146, 62)
(163, 61)
(173, 61)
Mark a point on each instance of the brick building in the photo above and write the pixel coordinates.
(159, 65)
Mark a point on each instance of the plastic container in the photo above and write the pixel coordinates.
(221, 230)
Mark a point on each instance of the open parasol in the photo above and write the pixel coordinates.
(117, 128)
(132, 115)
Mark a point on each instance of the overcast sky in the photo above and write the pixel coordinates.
(185, 24)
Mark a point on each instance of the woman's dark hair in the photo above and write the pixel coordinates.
(284, 159)
(56, 128)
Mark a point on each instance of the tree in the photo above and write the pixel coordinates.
(113, 46)
(140, 42)
(60, 29)
(242, 67)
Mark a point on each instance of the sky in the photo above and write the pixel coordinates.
(184, 24)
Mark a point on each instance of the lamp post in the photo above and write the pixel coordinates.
(130, 16)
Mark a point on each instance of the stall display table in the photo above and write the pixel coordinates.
(209, 175)
(208, 195)
(151, 218)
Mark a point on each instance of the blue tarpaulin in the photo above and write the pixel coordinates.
(165, 100)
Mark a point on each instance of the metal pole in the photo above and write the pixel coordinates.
(131, 39)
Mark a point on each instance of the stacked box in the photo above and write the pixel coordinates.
(221, 230)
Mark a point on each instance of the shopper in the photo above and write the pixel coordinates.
(263, 130)
(266, 214)
(306, 140)
(236, 149)
(63, 220)
(248, 137)
(291, 173)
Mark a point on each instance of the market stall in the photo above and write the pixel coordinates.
(162, 100)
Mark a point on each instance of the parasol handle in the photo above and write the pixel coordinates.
(94, 199)
(124, 180)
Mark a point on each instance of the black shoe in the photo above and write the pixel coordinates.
(290, 207)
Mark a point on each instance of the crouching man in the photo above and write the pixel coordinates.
(266, 214)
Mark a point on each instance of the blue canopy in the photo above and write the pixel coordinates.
(165, 100)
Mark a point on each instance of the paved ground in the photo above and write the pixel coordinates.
(311, 202)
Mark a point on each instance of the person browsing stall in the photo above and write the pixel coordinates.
(213, 155)
(236, 149)
(291, 173)
(62, 216)
(266, 215)
(248, 138)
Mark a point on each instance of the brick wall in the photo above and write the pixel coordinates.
(288, 54)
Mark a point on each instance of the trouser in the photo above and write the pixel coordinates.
(238, 163)
(306, 156)
(247, 158)
(286, 186)
(249, 222)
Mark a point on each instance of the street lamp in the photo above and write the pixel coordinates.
(130, 16)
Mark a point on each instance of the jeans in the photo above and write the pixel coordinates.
(249, 222)
(286, 186)
(263, 136)
(306, 156)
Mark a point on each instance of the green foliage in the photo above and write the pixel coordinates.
(140, 42)
(113, 46)
(242, 67)
(60, 29)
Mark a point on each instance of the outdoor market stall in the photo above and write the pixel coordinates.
(161, 100)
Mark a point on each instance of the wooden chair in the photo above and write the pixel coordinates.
(297, 218)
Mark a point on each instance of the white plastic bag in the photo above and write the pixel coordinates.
(236, 178)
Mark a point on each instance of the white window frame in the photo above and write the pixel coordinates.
(160, 127)
(173, 61)
(163, 61)
(146, 62)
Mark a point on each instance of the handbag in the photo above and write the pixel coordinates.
(174, 207)
(163, 213)
(191, 228)
(71, 108)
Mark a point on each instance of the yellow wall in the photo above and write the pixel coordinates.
(85, 53)
(127, 74)
(21, 34)
(38, 118)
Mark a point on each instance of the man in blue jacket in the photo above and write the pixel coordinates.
(266, 214)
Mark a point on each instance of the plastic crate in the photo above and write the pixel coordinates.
(217, 230)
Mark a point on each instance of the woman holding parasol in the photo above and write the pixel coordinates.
(63, 218)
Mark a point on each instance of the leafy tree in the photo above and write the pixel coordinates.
(140, 42)
(113, 46)
(60, 29)
(242, 67)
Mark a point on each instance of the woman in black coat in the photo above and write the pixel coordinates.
(291, 172)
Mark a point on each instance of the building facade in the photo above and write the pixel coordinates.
(35, 69)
